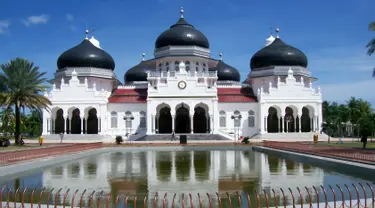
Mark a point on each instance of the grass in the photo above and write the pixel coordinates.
(348, 144)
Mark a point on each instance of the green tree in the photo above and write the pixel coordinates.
(371, 45)
(7, 121)
(23, 87)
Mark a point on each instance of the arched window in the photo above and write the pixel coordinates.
(197, 66)
(142, 119)
(176, 66)
(237, 122)
(251, 118)
(128, 119)
(222, 119)
(187, 65)
(167, 66)
(113, 119)
(204, 66)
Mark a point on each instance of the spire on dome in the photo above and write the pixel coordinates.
(143, 56)
(221, 56)
(182, 12)
(87, 34)
(277, 32)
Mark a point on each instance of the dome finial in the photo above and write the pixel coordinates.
(271, 30)
(221, 56)
(87, 34)
(143, 56)
(182, 12)
(277, 32)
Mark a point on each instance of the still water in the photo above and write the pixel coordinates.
(147, 173)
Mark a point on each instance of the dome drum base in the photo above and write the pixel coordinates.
(182, 51)
(281, 71)
(85, 72)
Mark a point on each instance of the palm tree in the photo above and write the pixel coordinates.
(371, 44)
(23, 85)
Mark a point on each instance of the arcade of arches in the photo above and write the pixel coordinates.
(75, 123)
(290, 121)
(182, 122)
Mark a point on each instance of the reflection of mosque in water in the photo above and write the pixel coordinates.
(182, 172)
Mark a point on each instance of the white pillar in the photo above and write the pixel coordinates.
(191, 124)
(207, 124)
(311, 124)
(266, 124)
(295, 122)
(99, 124)
(173, 122)
(82, 124)
(299, 123)
(211, 123)
(152, 124)
(282, 123)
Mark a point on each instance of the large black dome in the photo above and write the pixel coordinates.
(137, 73)
(278, 53)
(226, 72)
(182, 34)
(86, 54)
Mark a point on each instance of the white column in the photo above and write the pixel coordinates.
(85, 132)
(266, 124)
(152, 124)
(295, 122)
(299, 123)
(48, 125)
(191, 124)
(261, 119)
(207, 123)
(82, 124)
(278, 124)
(173, 122)
(282, 123)
(211, 123)
(311, 123)
(99, 125)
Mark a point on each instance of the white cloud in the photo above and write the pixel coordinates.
(341, 59)
(4, 26)
(69, 17)
(36, 20)
(341, 92)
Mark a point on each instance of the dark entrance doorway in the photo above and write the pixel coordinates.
(92, 122)
(200, 120)
(272, 121)
(59, 122)
(165, 121)
(75, 122)
(182, 122)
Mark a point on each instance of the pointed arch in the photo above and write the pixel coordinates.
(251, 118)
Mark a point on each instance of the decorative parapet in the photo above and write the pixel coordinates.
(290, 83)
(74, 82)
(86, 71)
(174, 74)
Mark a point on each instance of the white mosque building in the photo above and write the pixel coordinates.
(183, 89)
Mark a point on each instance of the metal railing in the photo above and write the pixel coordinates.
(33, 153)
(355, 154)
(331, 196)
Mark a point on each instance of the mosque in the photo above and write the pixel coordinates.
(184, 90)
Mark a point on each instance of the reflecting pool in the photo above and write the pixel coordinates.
(147, 173)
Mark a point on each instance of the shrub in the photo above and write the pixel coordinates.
(245, 140)
(119, 139)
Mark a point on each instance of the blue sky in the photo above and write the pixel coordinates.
(333, 34)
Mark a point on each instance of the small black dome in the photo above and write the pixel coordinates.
(137, 73)
(182, 34)
(86, 54)
(278, 53)
(226, 72)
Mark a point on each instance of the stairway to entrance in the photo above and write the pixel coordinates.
(191, 137)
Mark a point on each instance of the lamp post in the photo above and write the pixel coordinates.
(236, 118)
(128, 118)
